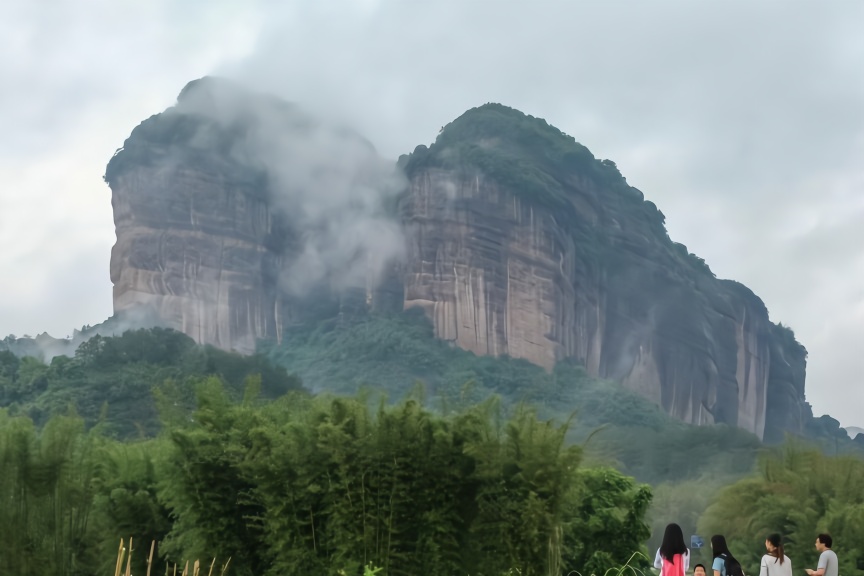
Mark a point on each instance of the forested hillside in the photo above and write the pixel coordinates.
(364, 439)
(320, 485)
(112, 379)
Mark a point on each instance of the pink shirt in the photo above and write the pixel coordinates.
(678, 567)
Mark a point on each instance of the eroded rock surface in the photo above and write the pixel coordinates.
(511, 237)
(523, 244)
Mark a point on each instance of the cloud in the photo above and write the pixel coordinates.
(78, 77)
(327, 183)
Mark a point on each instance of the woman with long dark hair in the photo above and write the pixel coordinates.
(775, 562)
(724, 563)
(673, 557)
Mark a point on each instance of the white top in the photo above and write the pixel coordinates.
(658, 561)
(828, 561)
(771, 566)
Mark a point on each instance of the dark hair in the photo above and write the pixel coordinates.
(673, 542)
(825, 539)
(698, 566)
(777, 541)
(718, 545)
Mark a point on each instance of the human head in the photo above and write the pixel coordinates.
(718, 545)
(699, 570)
(673, 542)
(824, 542)
(774, 546)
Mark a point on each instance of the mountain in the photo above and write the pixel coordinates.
(237, 216)
(227, 205)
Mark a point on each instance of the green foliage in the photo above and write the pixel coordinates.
(678, 451)
(787, 337)
(125, 500)
(634, 436)
(317, 485)
(798, 492)
(204, 487)
(684, 502)
(183, 137)
(524, 153)
(115, 377)
(326, 484)
(547, 168)
(611, 509)
(46, 487)
(393, 352)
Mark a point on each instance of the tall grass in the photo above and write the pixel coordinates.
(124, 554)
(627, 569)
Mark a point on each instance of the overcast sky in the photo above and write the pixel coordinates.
(742, 120)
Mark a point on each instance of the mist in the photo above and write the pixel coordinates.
(327, 183)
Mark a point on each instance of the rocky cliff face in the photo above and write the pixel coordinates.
(217, 231)
(193, 225)
(493, 273)
(512, 238)
(523, 244)
(786, 409)
(191, 246)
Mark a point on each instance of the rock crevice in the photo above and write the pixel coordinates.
(517, 242)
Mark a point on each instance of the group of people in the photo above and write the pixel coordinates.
(673, 557)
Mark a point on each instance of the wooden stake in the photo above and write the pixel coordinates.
(150, 559)
(119, 559)
(129, 559)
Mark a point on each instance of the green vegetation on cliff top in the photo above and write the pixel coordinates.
(525, 153)
(541, 164)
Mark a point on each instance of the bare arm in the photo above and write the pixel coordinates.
(821, 566)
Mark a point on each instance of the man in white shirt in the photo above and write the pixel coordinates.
(827, 559)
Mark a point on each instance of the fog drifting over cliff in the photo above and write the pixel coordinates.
(326, 181)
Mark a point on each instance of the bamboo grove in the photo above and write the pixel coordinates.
(315, 485)
(798, 491)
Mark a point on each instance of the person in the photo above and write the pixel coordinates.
(722, 556)
(673, 557)
(827, 558)
(775, 562)
(699, 570)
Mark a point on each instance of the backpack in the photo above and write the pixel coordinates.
(675, 568)
(733, 567)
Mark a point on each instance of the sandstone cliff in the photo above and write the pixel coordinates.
(522, 243)
(192, 225)
(511, 237)
(217, 231)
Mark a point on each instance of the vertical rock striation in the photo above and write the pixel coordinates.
(194, 230)
(191, 245)
(517, 242)
(523, 244)
(231, 208)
